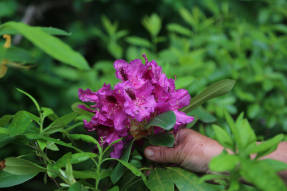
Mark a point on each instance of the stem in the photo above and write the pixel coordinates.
(98, 172)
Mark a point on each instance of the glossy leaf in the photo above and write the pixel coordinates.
(9, 180)
(49, 44)
(20, 166)
(162, 139)
(165, 120)
(217, 89)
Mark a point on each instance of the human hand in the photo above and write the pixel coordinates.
(192, 151)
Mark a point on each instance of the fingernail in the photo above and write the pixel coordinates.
(149, 153)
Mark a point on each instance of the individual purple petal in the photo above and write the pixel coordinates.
(117, 150)
(87, 95)
(182, 118)
(121, 67)
(180, 98)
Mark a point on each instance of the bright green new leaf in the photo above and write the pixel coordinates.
(217, 89)
(223, 137)
(276, 165)
(20, 166)
(161, 139)
(261, 175)
(48, 30)
(49, 44)
(8, 180)
(152, 24)
(138, 41)
(266, 147)
(223, 162)
(173, 27)
(246, 134)
(165, 120)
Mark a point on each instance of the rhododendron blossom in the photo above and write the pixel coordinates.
(143, 92)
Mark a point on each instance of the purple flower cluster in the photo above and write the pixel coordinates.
(142, 93)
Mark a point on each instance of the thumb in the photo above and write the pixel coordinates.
(162, 154)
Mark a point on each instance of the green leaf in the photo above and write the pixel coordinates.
(20, 166)
(31, 97)
(159, 180)
(4, 131)
(203, 115)
(247, 136)
(61, 162)
(60, 123)
(52, 146)
(217, 89)
(132, 168)
(173, 27)
(165, 121)
(161, 139)
(8, 180)
(223, 162)
(152, 24)
(266, 147)
(86, 138)
(261, 175)
(81, 157)
(49, 44)
(5, 120)
(15, 54)
(223, 137)
(77, 187)
(138, 41)
(20, 123)
(119, 170)
(187, 181)
(276, 165)
(48, 30)
(47, 112)
(34, 136)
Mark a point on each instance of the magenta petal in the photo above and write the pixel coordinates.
(87, 95)
(182, 118)
(117, 150)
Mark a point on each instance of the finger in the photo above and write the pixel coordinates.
(162, 154)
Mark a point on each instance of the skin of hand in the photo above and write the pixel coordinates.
(193, 151)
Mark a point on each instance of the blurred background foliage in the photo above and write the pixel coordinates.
(198, 41)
